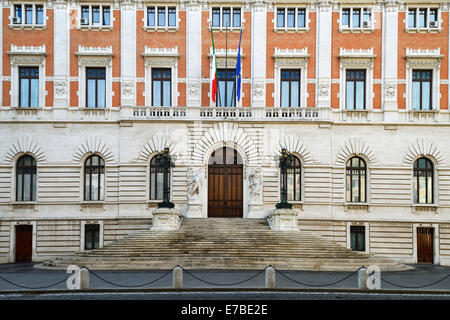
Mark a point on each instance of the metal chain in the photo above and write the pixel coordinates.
(415, 287)
(130, 286)
(34, 288)
(223, 284)
(317, 285)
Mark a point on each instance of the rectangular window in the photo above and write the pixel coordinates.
(355, 89)
(346, 18)
(226, 17)
(367, 18)
(280, 18)
(172, 17)
(39, 15)
(28, 14)
(291, 18)
(18, 13)
(161, 17)
(106, 16)
(433, 18)
(151, 16)
(161, 87)
(422, 18)
(411, 18)
(236, 17)
(95, 87)
(29, 87)
(95, 15)
(356, 18)
(358, 238)
(85, 14)
(216, 17)
(226, 88)
(91, 236)
(290, 88)
(421, 89)
(301, 19)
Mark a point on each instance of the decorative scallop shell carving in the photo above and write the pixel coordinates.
(357, 147)
(27, 145)
(93, 145)
(421, 148)
(292, 143)
(226, 132)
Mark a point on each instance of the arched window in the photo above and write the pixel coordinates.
(423, 181)
(355, 186)
(94, 178)
(294, 180)
(156, 180)
(26, 178)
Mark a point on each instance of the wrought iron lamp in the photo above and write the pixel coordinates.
(164, 159)
(286, 160)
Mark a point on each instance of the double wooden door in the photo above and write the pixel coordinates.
(225, 184)
(425, 250)
(24, 243)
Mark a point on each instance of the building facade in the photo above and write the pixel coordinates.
(357, 91)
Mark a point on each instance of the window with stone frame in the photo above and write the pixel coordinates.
(26, 180)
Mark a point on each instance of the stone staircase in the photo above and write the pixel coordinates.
(224, 243)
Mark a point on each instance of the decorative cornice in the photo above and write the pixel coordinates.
(94, 51)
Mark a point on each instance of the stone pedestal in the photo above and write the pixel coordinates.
(166, 219)
(283, 219)
(256, 211)
(194, 210)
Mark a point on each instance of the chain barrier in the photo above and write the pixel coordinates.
(223, 284)
(318, 285)
(129, 286)
(34, 288)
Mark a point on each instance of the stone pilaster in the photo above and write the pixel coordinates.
(128, 53)
(324, 25)
(259, 49)
(61, 57)
(193, 53)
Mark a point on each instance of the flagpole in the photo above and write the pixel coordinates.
(226, 55)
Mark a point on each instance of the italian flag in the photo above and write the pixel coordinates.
(214, 71)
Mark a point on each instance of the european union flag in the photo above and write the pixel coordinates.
(238, 70)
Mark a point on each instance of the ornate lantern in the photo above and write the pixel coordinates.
(286, 160)
(164, 159)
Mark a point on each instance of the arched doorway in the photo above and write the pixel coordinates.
(225, 183)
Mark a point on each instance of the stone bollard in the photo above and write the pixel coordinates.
(363, 275)
(270, 277)
(177, 278)
(83, 279)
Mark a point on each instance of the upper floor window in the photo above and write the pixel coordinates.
(355, 89)
(226, 88)
(28, 87)
(95, 16)
(421, 89)
(226, 17)
(423, 18)
(95, 87)
(356, 18)
(94, 178)
(423, 181)
(290, 88)
(291, 18)
(161, 17)
(28, 14)
(161, 87)
(355, 184)
(26, 178)
(358, 238)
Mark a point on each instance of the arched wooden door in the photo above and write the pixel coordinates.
(225, 183)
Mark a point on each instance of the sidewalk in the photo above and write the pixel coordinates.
(30, 279)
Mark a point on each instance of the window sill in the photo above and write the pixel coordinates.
(423, 115)
(27, 26)
(229, 29)
(95, 28)
(423, 207)
(360, 206)
(161, 29)
(423, 30)
(357, 30)
(25, 205)
(92, 205)
(290, 30)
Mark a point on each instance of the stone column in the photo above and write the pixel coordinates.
(259, 49)
(324, 26)
(128, 54)
(61, 58)
(193, 53)
(390, 51)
